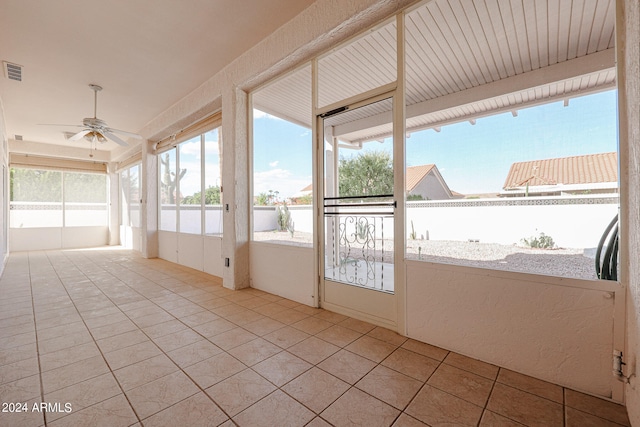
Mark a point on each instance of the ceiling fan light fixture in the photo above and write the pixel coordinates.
(95, 129)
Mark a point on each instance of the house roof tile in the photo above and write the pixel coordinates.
(414, 175)
(586, 169)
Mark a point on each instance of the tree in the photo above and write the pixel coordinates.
(86, 187)
(34, 185)
(307, 199)
(211, 197)
(267, 199)
(368, 174)
(169, 180)
(412, 197)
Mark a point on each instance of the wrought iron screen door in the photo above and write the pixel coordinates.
(358, 209)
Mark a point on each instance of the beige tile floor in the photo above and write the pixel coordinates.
(129, 341)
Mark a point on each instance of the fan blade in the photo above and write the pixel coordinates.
(67, 126)
(115, 139)
(79, 135)
(125, 133)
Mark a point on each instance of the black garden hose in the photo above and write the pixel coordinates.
(607, 266)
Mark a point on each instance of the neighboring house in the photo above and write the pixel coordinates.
(306, 191)
(424, 181)
(588, 174)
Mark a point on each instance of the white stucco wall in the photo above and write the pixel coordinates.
(559, 330)
(131, 237)
(628, 46)
(283, 270)
(203, 253)
(31, 239)
(578, 225)
(4, 191)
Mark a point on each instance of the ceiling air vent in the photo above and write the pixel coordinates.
(12, 71)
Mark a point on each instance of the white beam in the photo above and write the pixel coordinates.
(77, 151)
(488, 113)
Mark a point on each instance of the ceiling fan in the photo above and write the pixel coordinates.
(95, 129)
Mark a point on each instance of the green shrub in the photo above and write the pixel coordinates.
(362, 230)
(541, 241)
(284, 219)
(413, 234)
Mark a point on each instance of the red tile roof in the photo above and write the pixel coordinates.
(587, 169)
(414, 175)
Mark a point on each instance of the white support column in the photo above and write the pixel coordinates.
(114, 205)
(399, 167)
(628, 77)
(235, 185)
(149, 202)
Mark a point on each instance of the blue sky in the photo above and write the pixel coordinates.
(282, 156)
(190, 156)
(471, 158)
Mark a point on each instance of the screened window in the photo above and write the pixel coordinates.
(188, 171)
(134, 195)
(525, 179)
(130, 196)
(212, 181)
(49, 198)
(168, 190)
(85, 199)
(190, 205)
(282, 161)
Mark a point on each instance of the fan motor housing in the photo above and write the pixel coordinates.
(94, 122)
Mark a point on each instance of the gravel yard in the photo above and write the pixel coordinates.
(555, 262)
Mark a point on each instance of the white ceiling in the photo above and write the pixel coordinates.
(464, 60)
(146, 54)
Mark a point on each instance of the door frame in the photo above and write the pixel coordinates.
(395, 318)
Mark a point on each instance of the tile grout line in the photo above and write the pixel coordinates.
(150, 340)
(93, 338)
(179, 368)
(35, 327)
(175, 289)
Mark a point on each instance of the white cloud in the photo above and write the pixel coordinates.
(191, 148)
(211, 148)
(274, 164)
(257, 114)
(190, 183)
(280, 180)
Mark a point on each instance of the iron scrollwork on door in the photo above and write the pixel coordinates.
(357, 238)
